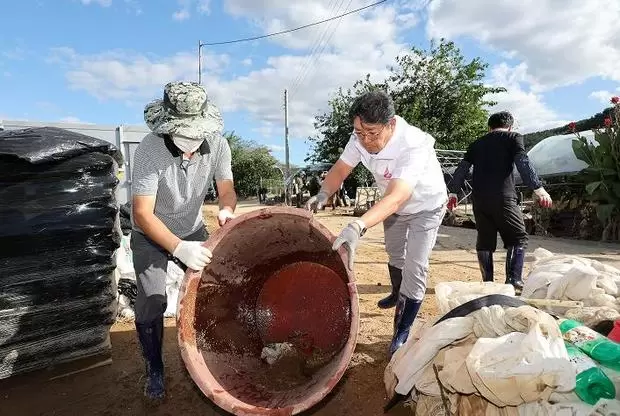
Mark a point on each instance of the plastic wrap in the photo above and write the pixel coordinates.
(554, 155)
(57, 289)
(125, 217)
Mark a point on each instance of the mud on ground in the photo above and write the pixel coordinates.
(116, 389)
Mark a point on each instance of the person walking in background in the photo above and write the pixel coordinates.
(494, 194)
(174, 167)
(314, 186)
(404, 164)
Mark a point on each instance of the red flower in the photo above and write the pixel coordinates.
(615, 100)
(572, 126)
(607, 122)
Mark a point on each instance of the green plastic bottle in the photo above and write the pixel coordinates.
(592, 384)
(600, 348)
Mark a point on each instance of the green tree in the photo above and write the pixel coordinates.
(440, 92)
(435, 90)
(334, 130)
(587, 124)
(250, 163)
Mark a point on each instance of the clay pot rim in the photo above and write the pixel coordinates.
(193, 359)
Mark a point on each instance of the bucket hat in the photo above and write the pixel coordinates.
(185, 110)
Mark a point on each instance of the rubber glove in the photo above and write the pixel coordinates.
(544, 199)
(349, 237)
(224, 216)
(193, 254)
(317, 202)
(453, 201)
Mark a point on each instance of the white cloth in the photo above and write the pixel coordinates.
(409, 155)
(407, 367)
(568, 277)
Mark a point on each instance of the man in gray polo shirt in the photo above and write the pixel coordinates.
(173, 168)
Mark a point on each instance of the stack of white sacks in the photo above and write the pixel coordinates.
(506, 361)
(566, 277)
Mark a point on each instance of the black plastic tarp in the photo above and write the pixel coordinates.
(59, 233)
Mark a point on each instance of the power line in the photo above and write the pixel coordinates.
(317, 45)
(317, 57)
(227, 42)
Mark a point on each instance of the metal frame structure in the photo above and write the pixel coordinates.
(449, 161)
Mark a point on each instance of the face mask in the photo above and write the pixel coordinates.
(186, 145)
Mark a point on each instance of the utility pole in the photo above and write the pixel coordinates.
(200, 45)
(286, 149)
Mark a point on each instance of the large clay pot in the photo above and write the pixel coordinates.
(274, 282)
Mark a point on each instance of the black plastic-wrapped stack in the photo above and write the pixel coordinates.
(58, 236)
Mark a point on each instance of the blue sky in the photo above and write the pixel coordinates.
(101, 61)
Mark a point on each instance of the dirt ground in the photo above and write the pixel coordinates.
(116, 389)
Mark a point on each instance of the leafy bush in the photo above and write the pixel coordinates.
(602, 176)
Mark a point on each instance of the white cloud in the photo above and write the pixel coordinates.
(333, 56)
(604, 96)
(132, 6)
(275, 148)
(247, 62)
(15, 54)
(127, 76)
(181, 15)
(102, 3)
(527, 106)
(186, 7)
(562, 42)
(72, 119)
(204, 6)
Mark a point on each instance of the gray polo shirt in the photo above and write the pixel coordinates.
(180, 186)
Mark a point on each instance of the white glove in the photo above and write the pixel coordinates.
(544, 199)
(317, 202)
(224, 216)
(193, 254)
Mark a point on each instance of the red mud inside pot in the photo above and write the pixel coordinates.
(274, 281)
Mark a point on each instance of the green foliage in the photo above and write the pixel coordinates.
(587, 124)
(440, 92)
(436, 90)
(602, 176)
(334, 130)
(250, 163)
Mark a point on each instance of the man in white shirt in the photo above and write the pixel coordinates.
(404, 164)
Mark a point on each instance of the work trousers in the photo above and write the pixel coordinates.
(501, 215)
(409, 241)
(151, 265)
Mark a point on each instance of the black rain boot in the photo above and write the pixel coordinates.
(406, 311)
(396, 277)
(151, 338)
(485, 261)
(515, 257)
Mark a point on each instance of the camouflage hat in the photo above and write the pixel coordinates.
(184, 111)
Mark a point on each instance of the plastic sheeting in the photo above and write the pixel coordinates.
(554, 155)
(127, 285)
(59, 234)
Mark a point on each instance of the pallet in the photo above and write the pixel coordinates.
(80, 366)
(64, 369)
